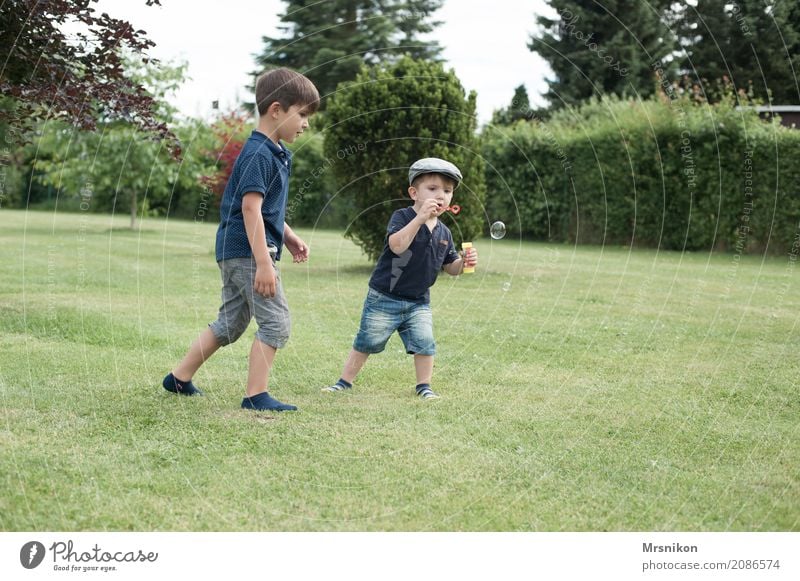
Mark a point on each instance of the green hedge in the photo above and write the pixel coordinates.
(663, 173)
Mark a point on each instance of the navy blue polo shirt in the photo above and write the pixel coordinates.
(410, 275)
(262, 167)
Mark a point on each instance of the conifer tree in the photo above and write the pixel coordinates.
(602, 47)
(519, 108)
(329, 41)
(749, 44)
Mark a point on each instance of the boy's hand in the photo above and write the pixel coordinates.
(265, 283)
(298, 248)
(429, 209)
(471, 257)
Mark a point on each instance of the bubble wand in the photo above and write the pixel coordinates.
(455, 209)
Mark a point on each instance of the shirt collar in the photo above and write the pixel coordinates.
(276, 148)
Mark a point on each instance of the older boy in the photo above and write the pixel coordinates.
(250, 238)
(417, 247)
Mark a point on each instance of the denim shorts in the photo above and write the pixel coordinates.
(240, 303)
(383, 315)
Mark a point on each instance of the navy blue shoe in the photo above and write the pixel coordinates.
(174, 385)
(265, 402)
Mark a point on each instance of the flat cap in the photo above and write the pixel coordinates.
(433, 165)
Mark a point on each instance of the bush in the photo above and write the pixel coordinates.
(661, 173)
(193, 194)
(384, 121)
(214, 148)
(312, 189)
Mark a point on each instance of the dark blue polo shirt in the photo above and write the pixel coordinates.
(410, 275)
(263, 167)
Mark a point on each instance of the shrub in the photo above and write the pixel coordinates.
(312, 190)
(384, 121)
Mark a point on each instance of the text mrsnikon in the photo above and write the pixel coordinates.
(673, 548)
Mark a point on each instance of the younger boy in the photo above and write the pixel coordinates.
(250, 237)
(417, 247)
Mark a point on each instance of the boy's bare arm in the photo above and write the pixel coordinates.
(454, 268)
(294, 244)
(468, 258)
(402, 239)
(265, 283)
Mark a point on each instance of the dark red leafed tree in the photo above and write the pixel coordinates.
(230, 132)
(47, 71)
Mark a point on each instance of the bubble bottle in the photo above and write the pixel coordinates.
(466, 246)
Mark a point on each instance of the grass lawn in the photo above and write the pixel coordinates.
(584, 388)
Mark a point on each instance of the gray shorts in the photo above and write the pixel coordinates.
(240, 304)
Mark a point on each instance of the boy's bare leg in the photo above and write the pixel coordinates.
(203, 347)
(258, 397)
(261, 358)
(355, 361)
(423, 365)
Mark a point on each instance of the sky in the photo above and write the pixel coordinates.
(485, 42)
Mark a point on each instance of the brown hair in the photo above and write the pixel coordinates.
(288, 88)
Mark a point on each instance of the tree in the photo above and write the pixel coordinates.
(311, 185)
(118, 164)
(519, 108)
(381, 123)
(750, 44)
(411, 18)
(706, 35)
(329, 41)
(230, 134)
(47, 73)
(597, 47)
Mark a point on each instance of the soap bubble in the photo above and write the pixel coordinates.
(506, 286)
(497, 230)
